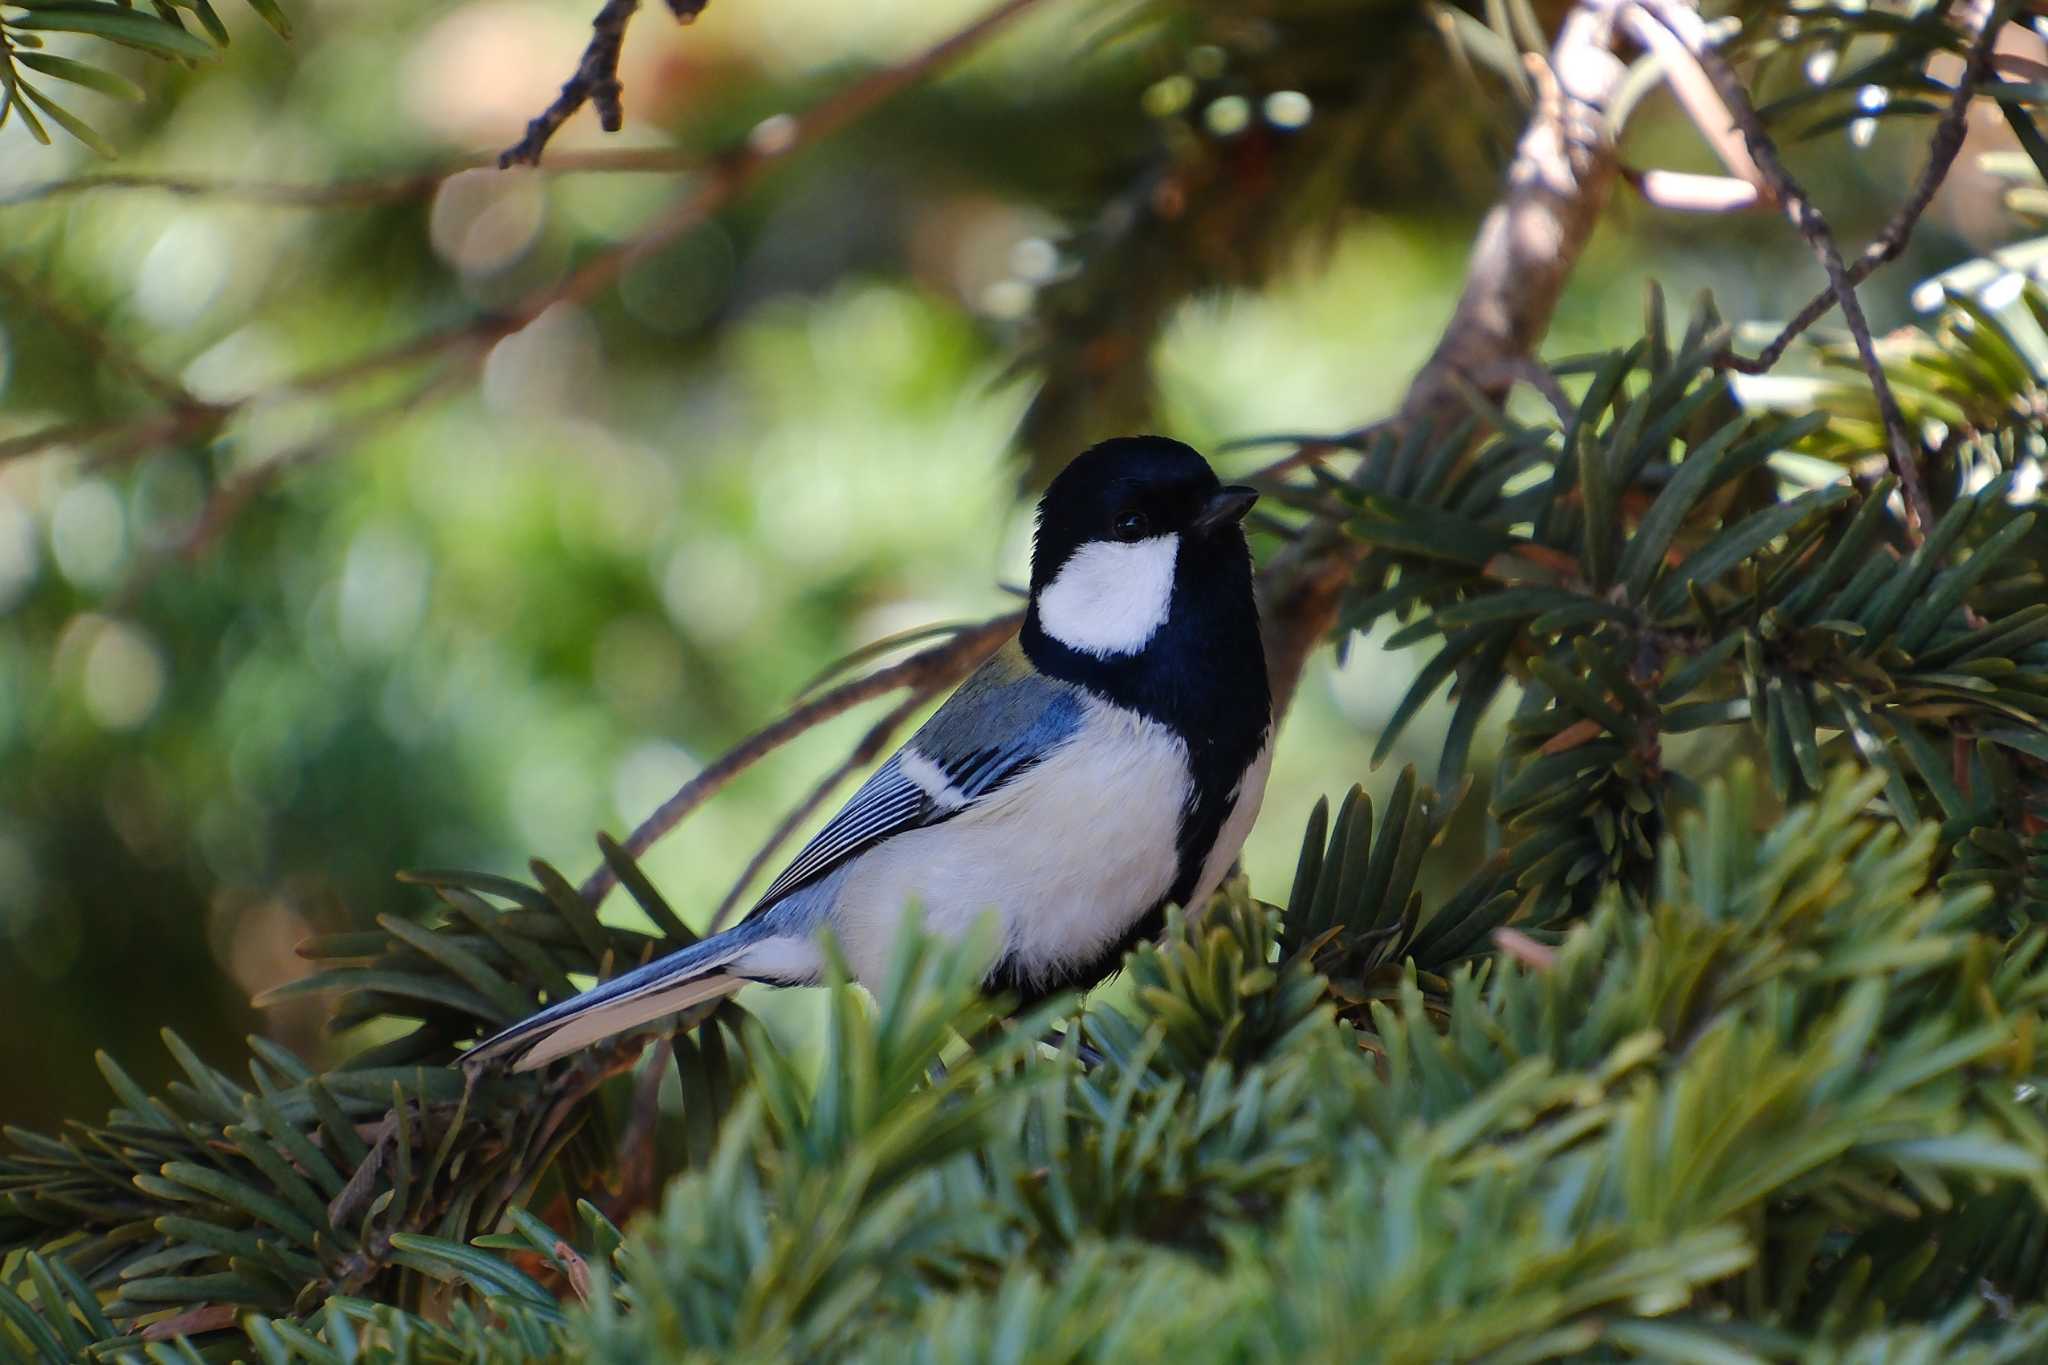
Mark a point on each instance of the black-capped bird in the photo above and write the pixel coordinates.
(1105, 764)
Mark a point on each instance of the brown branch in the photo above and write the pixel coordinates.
(1684, 22)
(925, 674)
(1564, 168)
(361, 191)
(1308, 450)
(1885, 248)
(864, 753)
(596, 81)
(156, 428)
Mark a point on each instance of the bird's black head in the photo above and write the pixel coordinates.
(1128, 529)
(1141, 592)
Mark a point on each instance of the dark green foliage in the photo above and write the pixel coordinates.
(165, 33)
(1726, 1046)
(297, 1189)
(1670, 578)
(487, 965)
(1715, 1127)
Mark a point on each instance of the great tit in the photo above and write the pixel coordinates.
(1106, 763)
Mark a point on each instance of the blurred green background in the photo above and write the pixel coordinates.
(530, 607)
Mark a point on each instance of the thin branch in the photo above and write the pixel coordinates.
(1684, 22)
(153, 429)
(596, 81)
(361, 191)
(864, 753)
(925, 674)
(1885, 248)
(1695, 93)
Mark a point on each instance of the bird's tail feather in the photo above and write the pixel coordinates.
(662, 987)
(616, 1016)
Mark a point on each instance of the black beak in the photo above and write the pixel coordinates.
(1225, 507)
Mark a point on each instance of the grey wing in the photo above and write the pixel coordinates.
(887, 803)
(1000, 723)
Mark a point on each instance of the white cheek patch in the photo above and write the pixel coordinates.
(1111, 598)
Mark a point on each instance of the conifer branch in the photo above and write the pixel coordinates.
(1902, 447)
(1987, 20)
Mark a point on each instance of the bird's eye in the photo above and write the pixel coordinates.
(1131, 526)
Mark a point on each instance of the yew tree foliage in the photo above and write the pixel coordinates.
(1728, 1050)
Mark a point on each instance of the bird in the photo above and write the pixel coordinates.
(1106, 763)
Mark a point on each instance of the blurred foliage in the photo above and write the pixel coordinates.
(1674, 995)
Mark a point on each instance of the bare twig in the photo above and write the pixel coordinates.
(1695, 92)
(361, 191)
(1527, 247)
(596, 81)
(1682, 192)
(1308, 450)
(924, 674)
(1903, 448)
(864, 753)
(1942, 150)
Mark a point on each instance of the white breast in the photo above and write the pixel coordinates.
(1069, 854)
(1251, 793)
